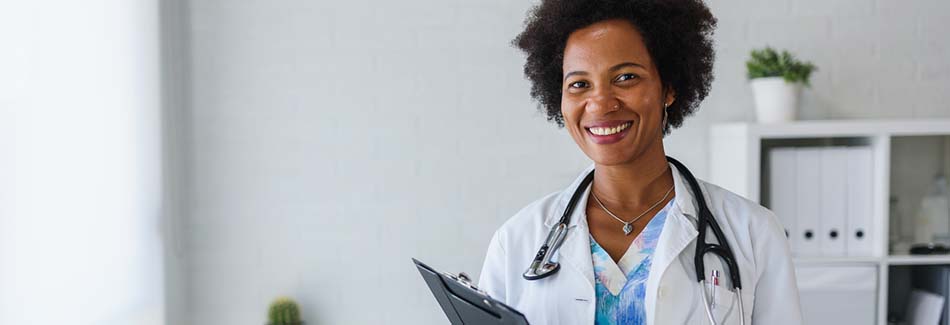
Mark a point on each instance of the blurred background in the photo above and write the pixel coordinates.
(186, 162)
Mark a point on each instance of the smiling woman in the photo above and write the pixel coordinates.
(611, 88)
(618, 76)
(676, 35)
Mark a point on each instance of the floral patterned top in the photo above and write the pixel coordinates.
(621, 287)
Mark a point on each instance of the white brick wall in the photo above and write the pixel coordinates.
(328, 143)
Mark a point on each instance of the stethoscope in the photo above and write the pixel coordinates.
(542, 266)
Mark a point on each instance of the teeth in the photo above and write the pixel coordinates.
(609, 131)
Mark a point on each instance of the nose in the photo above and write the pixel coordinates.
(602, 101)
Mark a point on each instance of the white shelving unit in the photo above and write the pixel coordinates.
(738, 151)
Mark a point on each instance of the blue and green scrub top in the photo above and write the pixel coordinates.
(621, 287)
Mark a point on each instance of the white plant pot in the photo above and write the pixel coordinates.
(776, 100)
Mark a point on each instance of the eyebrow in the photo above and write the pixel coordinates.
(612, 69)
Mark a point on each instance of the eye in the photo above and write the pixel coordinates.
(577, 84)
(626, 76)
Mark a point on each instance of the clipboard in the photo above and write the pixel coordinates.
(463, 303)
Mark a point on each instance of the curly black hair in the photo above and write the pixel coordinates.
(677, 34)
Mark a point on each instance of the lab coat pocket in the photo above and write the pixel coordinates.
(724, 306)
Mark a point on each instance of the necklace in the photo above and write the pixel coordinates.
(628, 226)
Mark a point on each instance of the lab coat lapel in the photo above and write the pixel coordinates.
(678, 232)
(576, 248)
(575, 251)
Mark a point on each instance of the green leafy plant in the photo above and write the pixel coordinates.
(767, 62)
(284, 311)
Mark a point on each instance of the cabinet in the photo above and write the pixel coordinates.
(905, 155)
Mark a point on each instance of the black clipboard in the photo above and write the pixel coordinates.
(463, 303)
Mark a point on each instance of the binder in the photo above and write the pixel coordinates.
(860, 196)
(808, 200)
(782, 192)
(833, 212)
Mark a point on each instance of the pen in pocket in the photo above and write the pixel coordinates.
(715, 286)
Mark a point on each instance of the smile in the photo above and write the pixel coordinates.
(609, 130)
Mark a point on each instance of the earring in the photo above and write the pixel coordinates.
(665, 113)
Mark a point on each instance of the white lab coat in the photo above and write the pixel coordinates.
(769, 292)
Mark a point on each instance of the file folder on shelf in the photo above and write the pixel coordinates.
(833, 202)
(782, 192)
(860, 195)
(808, 200)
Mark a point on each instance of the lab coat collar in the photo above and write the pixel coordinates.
(684, 199)
(564, 197)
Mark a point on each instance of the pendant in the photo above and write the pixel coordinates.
(627, 229)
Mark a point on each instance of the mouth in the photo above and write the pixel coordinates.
(609, 132)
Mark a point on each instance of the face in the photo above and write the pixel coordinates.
(612, 96)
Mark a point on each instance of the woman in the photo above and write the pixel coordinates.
(619, 75)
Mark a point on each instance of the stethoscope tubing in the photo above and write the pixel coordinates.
(705, 220)
(542, 266)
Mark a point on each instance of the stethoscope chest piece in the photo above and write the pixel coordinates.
(542, 266)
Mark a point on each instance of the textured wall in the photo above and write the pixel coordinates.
(329, 143)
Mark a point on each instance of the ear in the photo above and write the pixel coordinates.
(669, 96)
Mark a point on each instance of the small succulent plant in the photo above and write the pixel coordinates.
(769, 63)
(284, 311)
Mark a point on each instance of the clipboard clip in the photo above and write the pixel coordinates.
(465, 280)
(463, 303)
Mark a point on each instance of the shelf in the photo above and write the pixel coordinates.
(918, 259)
(890, 260)
(841, 128)
(836, 260)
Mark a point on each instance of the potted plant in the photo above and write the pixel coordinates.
(283, 311)
(777, 80)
